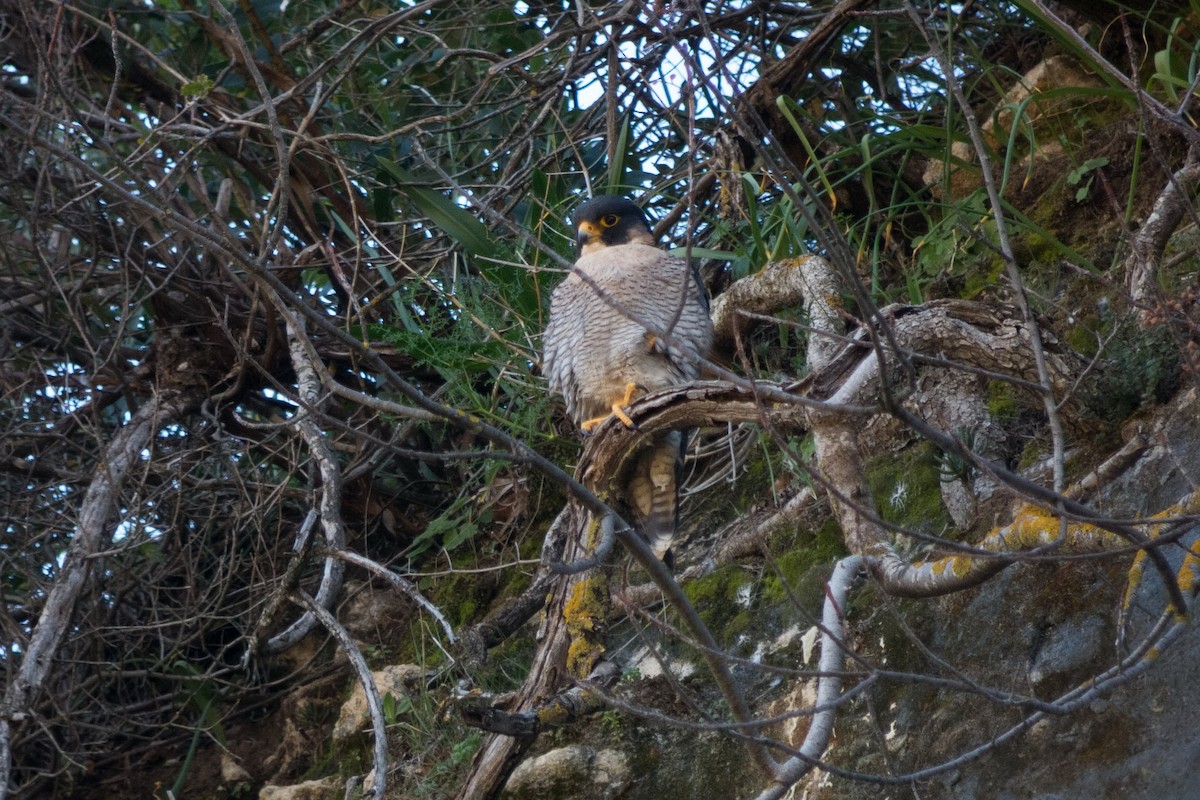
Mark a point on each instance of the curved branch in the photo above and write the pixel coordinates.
(808, 280)
(829, 685)
(330, 493)
(405, 587)
(374, 706)
(1146, 251)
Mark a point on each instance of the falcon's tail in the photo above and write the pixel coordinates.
(653, 492)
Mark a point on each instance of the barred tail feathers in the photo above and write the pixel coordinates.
(653, 492)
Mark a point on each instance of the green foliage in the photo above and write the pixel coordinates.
(1177, 65)
(772, 229)
(430, 746)
(953, 467)
(1083, 175)
(393, 709)
(446, 355)
(1139, 366)
(451, 219)
(954, 244)
(197, 88)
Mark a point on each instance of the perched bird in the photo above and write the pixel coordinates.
(629, 319)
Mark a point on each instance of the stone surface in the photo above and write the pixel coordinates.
(327, 789)
(1038, 630)
(1056, 72)
(397, 679)
(569, 773)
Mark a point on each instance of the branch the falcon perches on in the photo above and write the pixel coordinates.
(629, 319)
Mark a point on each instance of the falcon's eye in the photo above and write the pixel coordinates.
(608, 220)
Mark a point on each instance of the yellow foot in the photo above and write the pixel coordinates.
(617, 410)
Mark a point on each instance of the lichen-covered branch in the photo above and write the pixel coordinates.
(564, 708)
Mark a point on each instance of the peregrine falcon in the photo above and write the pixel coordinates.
(629, 319)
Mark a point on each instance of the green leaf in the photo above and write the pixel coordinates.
(389, 707)
(455, 355)
(452, 219)
(616, 167)
(197, 88)
(703, 252)
(461, 533)
(1077, 174)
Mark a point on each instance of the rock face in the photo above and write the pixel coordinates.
(570, 773)
(397, 680)
(1033, 96)
(1036, 631)
(327, 789)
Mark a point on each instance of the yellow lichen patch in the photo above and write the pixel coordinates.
(593, 534)
(1188, 571)
(1134, 579)
(957, 566)
(1033, 527)
(584, 614)
(553, 714)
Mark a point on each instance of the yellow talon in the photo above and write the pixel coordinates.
(618, 411)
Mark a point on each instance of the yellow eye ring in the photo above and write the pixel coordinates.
(608, 220)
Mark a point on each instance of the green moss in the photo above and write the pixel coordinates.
(715, 597)
(976, 282)
(1082, 335)
(1032, 453)
(800, 570)
(462, 595)
(1002, 400)
(908, 489)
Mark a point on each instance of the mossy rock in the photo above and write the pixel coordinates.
(720, 598)
(908, 488)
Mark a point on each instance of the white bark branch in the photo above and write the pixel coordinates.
(329, 502)
(374, 706)
(1146, 252)
(829, 685)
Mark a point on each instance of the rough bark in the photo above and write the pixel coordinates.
(498, 755)
(1145, 254)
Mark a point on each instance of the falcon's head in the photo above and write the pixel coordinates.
(609, 220)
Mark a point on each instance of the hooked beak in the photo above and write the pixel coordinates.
(587, 233)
